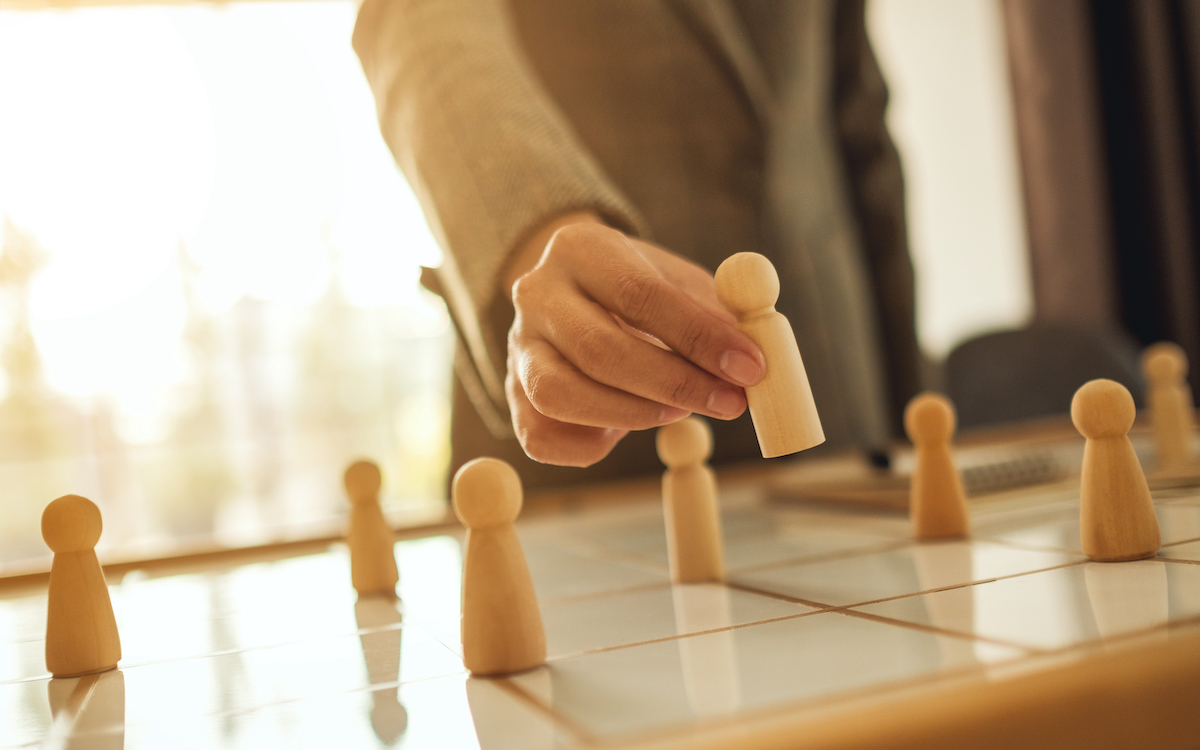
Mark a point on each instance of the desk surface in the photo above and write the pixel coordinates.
(833, 622)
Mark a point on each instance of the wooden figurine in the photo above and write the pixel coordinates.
(937, 501)
(1116, 514)
(690, 506)
(372, 544)
(1172, 410)
(81, 630)
(781, 406)
(501, 625)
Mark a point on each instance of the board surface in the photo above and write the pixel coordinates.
(825, 609)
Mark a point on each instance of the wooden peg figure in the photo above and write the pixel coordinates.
(1116, 514)
(372, 544)
(690, 502)
(501, 625)
(937, 502)
(781, 406)
(81, 630)
(1172, 410)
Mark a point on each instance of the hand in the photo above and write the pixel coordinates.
(613, 334)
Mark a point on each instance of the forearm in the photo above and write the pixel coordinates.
(487, 151)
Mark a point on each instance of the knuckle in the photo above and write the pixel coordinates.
(595, 350)
(518, 345)
(536, 446)
(548, 448)
(682, 390)
(542, 447)
(544, 387)
(575, 236)
(638, 295)
(527, 291)
(693, 336)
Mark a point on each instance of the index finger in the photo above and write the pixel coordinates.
(624, 283)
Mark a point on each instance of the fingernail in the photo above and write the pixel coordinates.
(726, 403)
(672, 414)
(741, 368)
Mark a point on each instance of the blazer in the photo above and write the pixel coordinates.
(707, 126)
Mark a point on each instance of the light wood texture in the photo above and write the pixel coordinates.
(81, 630)
(372, 544)
(782, 407)
(937, 502)
(501, 626)
(690, 506)
(1116, 514)
(1172, 411)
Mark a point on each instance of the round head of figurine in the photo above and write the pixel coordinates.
(1164, 362)
(684, 443)
(362, 480)
(487, 492)
(1102, 408)
(929, 418)
(747, 282)
(71, 524)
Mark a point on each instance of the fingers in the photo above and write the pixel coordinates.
(688, 277)
(551, 441)
(622, 281)
(571, 339)
(590, 340)
(585, 358)
(556, 389)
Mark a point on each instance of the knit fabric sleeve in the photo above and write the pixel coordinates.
(486, 151)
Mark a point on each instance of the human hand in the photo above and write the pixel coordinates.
(613, 334)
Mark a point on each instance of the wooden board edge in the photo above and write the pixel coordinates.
(1142, 696)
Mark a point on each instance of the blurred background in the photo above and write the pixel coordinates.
(208, 279)
(208, 261)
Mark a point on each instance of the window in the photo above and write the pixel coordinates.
(208, 274)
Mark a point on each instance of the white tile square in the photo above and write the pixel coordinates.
(455, 713)
(752, 536)
(880, 575)
(655, 685)
(1061, 607)
(649, 614)
(1182, 551)
(1176, 523)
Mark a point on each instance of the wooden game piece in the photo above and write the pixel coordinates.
(372, 544)
(1116, 514)
(689, 491)
(81, 630)
(501, 625)
(937, 502)
(1172, 410)
(781, 406)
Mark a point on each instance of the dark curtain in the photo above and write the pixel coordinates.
(1107, 100)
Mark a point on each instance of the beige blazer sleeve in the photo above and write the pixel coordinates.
(486, 151)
